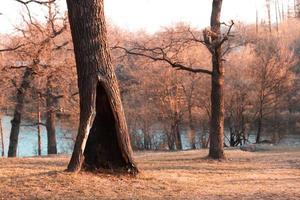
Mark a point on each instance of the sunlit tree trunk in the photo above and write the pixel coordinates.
(216, 148)
(102, 141)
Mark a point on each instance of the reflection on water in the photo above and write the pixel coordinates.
(28, 140)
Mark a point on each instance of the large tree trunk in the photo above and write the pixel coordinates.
(102, 141)
(216, 148)
(16, 121)
(50, 119)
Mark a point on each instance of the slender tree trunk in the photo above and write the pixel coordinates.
(276, 17)
(50, 119)
(256, 22)
(176, 132)
(177, 117)
(192, 131)
(103, 140)
(216, 148)
(51, 133)
(147, 138)
(259, 124)
(269, 15)
(2, 138)
(279, 11)
(178, 137)
(16, 121)
(39, 129)
(170, 139)
(298, 8)
(282, 11)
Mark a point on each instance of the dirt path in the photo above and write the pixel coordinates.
(177, 175)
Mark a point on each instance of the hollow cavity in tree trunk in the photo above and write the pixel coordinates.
(102, 149)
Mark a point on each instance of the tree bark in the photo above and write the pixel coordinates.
(192, 130)
(50, 119)
(147, 138)
(176, 133)
(39, 129)
(170, 138)
(16, 121)
(259, 124)
(2, 138)
(103, 140)
(216, 148)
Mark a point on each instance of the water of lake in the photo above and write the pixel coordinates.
(28, 140)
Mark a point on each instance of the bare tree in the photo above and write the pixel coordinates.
(33, 52)
(272, 74)
(213, 40)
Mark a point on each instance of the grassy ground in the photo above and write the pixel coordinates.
(273, 174)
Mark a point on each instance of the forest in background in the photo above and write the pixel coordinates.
(38, 77)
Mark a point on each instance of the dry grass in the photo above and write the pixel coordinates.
(175, 175)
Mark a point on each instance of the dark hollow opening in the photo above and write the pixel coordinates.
(102, 150)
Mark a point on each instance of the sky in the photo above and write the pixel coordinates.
(147, 15)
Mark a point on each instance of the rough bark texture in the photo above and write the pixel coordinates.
(217, 91)
(102, 141)
(50, 119)
(16, 121)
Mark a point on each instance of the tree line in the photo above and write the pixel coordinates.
(229, 78)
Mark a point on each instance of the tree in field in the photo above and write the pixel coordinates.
(213, 39)
(273, 76)
(171, 104)
(160, 99)
(102, 140)
(238, 90)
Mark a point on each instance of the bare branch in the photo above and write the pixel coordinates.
(227, 35)
(35, 1)
(163, 58)
(12, 48)
(194, 38)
